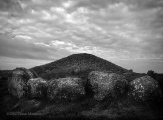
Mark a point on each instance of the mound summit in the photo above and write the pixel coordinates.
(76, 64)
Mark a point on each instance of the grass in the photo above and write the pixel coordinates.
(89, 109)
(123, 108)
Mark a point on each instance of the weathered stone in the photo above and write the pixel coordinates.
(24, 72)
(37, 87)
(17, 84)
(145, 89)
(65, 89)
(109, 85)
(32, 73)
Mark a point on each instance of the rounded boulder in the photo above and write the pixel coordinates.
(145, 89)
(65, 89)
(17, 84)
(37, 87)
(107, 85)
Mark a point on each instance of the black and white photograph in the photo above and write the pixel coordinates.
(81, 59)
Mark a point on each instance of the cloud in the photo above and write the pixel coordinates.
(18, 48)
(11, 63)
(24, 37)
(21, 49)
(9, 5)
(112, 29)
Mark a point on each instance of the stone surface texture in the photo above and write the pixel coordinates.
(17, 84)
(37, 87)
(109, 85)
(145, 89)
(65, 89)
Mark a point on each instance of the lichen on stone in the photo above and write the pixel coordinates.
(107, 84)
(37, 87)
(68, 89)
(145, 89)
(17, 84)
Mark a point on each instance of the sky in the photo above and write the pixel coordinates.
(128, 33)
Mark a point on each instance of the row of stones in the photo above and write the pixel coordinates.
(103, 85)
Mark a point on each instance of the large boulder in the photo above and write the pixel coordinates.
(107, 85)
(37, 87)
(17, 84)
(145, 89)
(31, 73)
(24, 72)
(65, 89)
